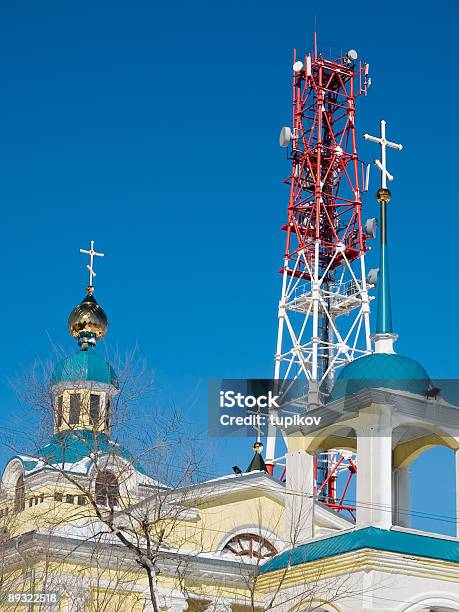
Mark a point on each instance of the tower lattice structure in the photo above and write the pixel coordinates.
(324, 310)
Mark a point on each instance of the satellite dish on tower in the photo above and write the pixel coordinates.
(372, 276)
(298, 67)
(352, 55)
(370, 227)
(285, 136)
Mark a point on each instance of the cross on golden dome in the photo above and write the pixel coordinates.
(90, 266)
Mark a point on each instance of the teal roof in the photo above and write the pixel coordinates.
(381, 370)
(84, 366)
(71, 447)
(370, 537)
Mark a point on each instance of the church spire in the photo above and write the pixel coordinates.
(384, 336)
(88, 322)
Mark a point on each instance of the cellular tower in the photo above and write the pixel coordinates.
(324, 309)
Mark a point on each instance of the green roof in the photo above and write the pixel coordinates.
(71, 447)
(369, 537)
(84, 366)
(381, 370)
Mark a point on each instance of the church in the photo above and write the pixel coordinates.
(87, 525)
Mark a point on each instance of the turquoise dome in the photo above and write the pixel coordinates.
(381, 370)
(78, 445)
(84, 366)
(69, 448)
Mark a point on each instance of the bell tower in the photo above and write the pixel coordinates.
(84, 384)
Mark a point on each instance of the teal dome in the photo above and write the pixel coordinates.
(74, 446)
(381, 370)
(75, 450)
(84, 366)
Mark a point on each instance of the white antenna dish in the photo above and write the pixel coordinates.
(285, 136)
(352, 55)
(372, 276)
(371, 227)
(298, 67)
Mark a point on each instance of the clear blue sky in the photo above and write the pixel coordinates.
(152, 128)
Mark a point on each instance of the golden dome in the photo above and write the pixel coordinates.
(88, 321)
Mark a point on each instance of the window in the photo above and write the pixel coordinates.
(94, 409)
(42, 498)
(59, 411)
(19, 494)
(58, 497)
(107, 413)
(74, 414)
(81, 500)
(69, 499)
(107, 490)
(250, 545)
(30, 502)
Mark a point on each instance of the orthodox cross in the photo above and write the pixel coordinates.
(92, 253)
(381, 165)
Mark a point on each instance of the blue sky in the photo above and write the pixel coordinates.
(152, 128)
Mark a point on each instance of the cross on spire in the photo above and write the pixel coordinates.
(90, 266)
(381, 165)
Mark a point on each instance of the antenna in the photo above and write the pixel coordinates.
(367, 177)
(325, 241)
(285, 136)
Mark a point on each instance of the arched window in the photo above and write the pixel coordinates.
(250, 545)
(107, 489)
(19, 494)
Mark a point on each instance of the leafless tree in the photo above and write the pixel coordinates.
(161, 456)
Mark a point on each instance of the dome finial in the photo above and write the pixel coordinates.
(90, 266)
(87, 321)
(384, 336)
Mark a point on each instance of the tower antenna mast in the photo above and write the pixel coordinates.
(324, 309)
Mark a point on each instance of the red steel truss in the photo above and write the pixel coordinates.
(327, 176)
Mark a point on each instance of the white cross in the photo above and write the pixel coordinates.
(381, 165)
(92, 253)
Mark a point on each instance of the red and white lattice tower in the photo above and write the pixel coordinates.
(324, 313)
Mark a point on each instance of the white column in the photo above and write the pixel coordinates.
(374, 468)
(299, 497)
(401, 497)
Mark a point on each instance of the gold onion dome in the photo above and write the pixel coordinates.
(88, 321)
